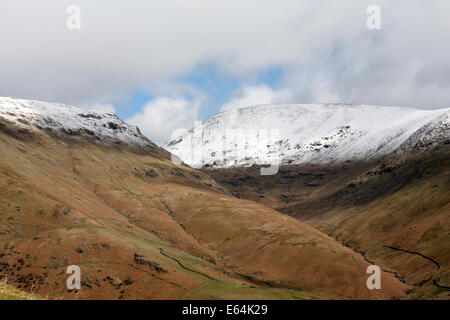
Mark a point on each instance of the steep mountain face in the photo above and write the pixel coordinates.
(296, 134)
(384, 193)
(101, 196)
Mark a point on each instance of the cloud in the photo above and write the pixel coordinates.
(160, 117)
(323, 47)
(255, 95)
(102, 107)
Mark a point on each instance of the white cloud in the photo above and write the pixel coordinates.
(102, 107)
(255, 95)
(141, 43)
(160, 117)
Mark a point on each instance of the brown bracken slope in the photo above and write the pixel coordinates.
(141, 227)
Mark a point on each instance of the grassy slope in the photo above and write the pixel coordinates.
(64, 203)
(10, 293)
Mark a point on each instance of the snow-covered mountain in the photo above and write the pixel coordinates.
(63, 119)
(307, 133)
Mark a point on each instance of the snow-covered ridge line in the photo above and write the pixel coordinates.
(62, 118)
(306, 133)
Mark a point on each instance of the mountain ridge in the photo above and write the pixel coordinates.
(328, 133)
(60, 119)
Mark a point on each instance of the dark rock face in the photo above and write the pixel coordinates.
(141, 260)
(113, 125)
(145, 173)
(90, 115)
(90, 281)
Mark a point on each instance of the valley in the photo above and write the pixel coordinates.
(395, 211)
(141, 227)
(380, 185)
(95, 193)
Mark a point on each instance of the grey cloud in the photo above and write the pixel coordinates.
(324, 47)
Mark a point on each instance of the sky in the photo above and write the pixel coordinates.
(164, 64)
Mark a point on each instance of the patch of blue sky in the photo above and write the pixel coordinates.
(216, 86)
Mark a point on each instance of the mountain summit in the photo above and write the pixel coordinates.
(60, 119)
(307, 133)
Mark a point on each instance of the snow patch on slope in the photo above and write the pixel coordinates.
(307, 133)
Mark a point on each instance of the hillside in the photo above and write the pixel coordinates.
(10, 293)
(142, 227)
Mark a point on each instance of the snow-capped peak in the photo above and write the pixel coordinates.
(302, 133)
(60, 118)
